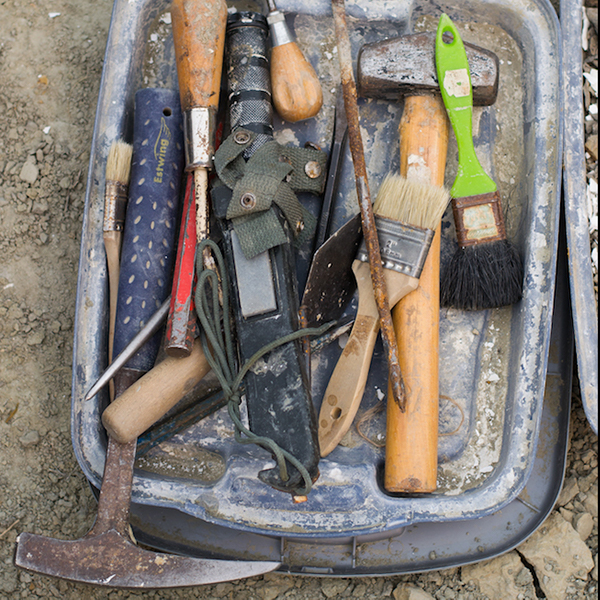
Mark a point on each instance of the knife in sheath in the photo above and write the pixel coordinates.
(264, 287)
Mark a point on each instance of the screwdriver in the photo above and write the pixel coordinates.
(199, 39)
(296, 90)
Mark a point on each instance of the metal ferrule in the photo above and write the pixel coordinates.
(115, 204)
(199, 134)
(403, 247)
(280, 32)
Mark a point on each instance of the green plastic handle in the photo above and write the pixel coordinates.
(455, 84)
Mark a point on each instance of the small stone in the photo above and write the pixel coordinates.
(29, 172)
(65, 183)
(35, 338)
(39, 207)
(410, 592)
(573, 561)
(501, 577)
(591, 502)
(569, 491)
(583, 524)
(591, 145)
(31, 438)
(275, 585)
(334, 588)
(567, 515)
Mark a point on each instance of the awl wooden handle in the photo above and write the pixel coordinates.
(154, 394)
(412, 436)
(297, 93)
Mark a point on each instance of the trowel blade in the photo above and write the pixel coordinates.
(331, 284)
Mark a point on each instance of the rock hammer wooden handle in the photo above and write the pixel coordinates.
(412, 436)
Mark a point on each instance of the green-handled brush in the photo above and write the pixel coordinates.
(486, 270)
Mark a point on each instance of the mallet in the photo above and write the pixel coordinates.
(392, 69)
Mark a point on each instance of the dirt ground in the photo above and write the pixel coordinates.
(51, 55)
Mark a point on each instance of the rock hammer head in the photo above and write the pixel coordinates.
(110, 559)
(405, 66)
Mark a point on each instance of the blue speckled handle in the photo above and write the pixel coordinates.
(151, 221)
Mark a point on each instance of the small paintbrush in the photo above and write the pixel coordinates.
(406, 215)
(118, 166)
(486, 271)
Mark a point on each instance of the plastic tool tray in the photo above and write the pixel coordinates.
(493, 364)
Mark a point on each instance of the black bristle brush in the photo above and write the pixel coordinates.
(486, 271)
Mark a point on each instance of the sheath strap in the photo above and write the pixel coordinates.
(270, 178)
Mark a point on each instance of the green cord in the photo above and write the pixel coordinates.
(217, 342)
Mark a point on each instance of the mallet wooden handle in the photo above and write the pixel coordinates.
(412, 436)
(154, 394)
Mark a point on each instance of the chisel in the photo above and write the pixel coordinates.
(199, 38)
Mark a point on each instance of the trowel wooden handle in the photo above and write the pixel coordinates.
(412, 436)
(199, 39)
(297, 93)
(154, 394)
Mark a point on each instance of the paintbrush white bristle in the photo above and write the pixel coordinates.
(411, 202)
(118, 163)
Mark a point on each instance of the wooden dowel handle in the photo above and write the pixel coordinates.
(412, 436)
(154, 394)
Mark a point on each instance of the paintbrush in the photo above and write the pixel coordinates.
(406, 215)
(486, 271)
(118, 167)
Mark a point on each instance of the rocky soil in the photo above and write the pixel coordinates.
(50, 64)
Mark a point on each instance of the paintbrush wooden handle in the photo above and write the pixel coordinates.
(112, 246)
(347, 384)
(412, 436)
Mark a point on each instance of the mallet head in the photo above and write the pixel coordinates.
(405, 65)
